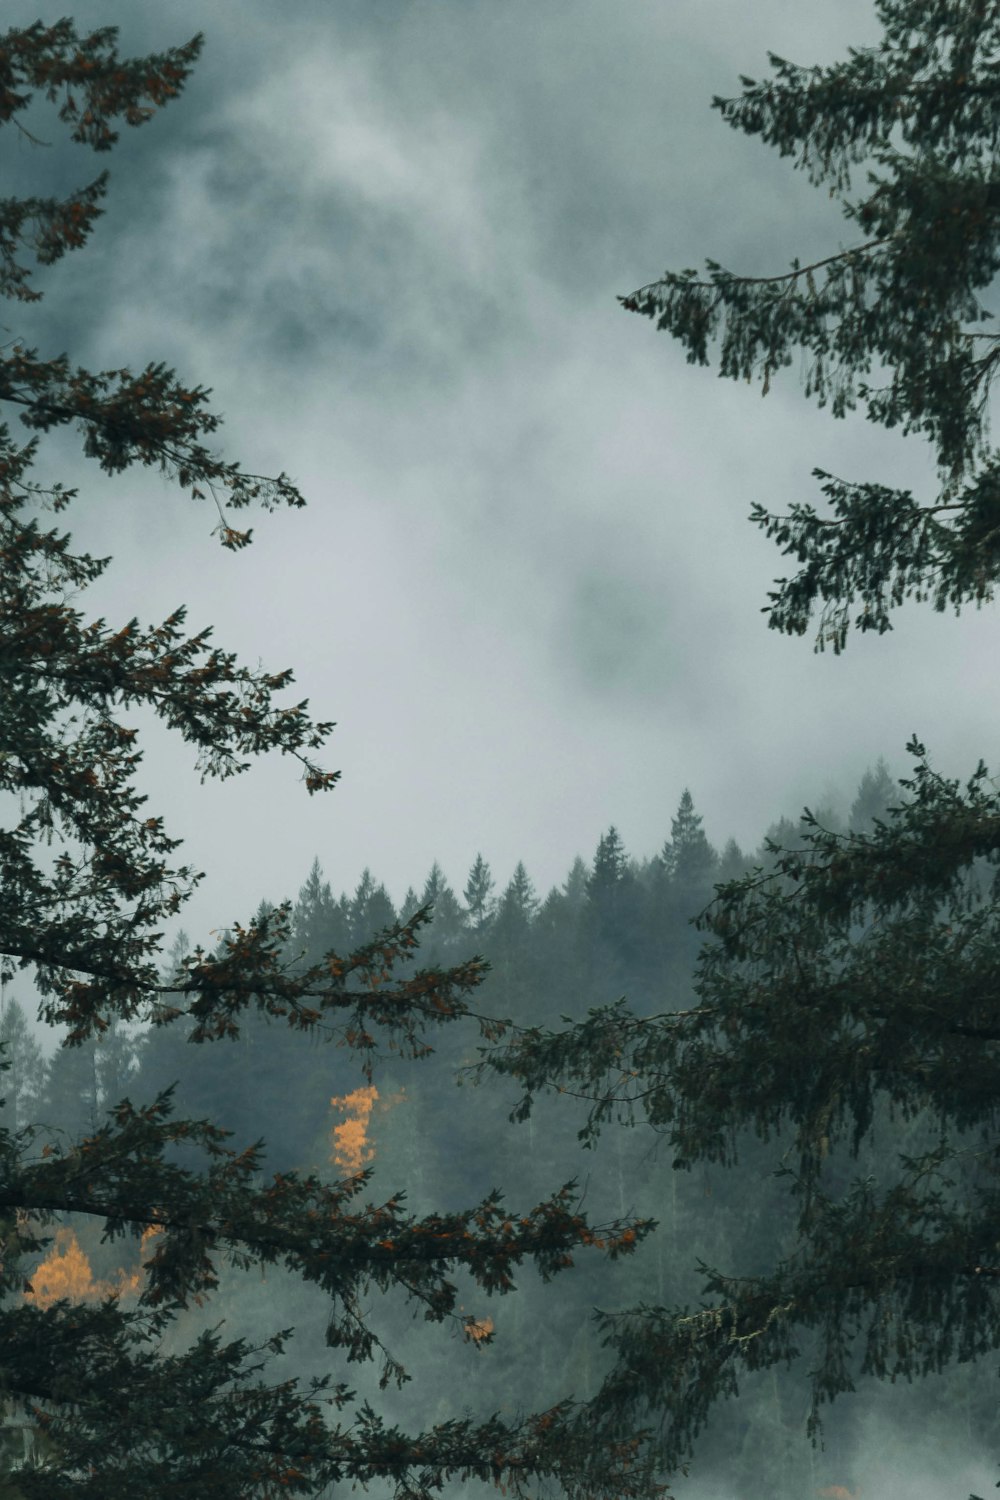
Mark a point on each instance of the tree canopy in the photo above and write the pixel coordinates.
(87, 879)
(847, 985)
(921, 112)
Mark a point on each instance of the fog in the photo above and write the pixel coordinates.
(525, 587)
(391, 237)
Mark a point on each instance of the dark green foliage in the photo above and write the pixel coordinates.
(478, 894)
(370, 910)
(126, 1399)
(448, 929)
(732, 861)
(515, 913)
(613, 910)
(317, 923)
(72, 1098)
(876, 795)
(24, 1081)
(844, 1019)
(921, 111)
(688, 859)
(848, 989)
(437, 1141)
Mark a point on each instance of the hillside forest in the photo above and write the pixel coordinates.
(618, 925)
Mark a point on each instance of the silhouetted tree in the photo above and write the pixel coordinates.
(370, 910)
(478, 895)
(853, 979)
(876, 794)
(688, 858)
(447, 929)
(123, 1417)
(613, 908)
(318, 922)
(22, 1086)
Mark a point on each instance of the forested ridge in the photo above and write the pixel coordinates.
(617, 925)
(243, 1157)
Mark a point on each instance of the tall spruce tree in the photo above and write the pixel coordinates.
(875, 796)
(688, 857)
(613, 904)
(318, 923)
(24, 1081)
(854, 978)
(518, 907)
(447, 928)
(478, 893)
(122, 1406)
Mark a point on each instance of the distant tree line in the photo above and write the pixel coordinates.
(616, 925)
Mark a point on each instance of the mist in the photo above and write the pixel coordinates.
(391, 239)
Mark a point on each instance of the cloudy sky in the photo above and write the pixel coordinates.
(389, 234)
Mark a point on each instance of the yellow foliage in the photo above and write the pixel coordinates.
(67, 1273)
(349, 1148)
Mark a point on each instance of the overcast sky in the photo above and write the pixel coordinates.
(390, 235)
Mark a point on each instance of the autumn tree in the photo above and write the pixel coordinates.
(88, 877)
(852, 981)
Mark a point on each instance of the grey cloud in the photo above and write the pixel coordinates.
(390, 238)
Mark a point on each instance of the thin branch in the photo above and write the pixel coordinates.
(765, 280)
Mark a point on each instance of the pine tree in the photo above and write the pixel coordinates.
(876, 794)
(22, 1084)
(447, 928)
(732, 862)
(688, 858)
(518, 905)
(71, 1099)
(124, 1407)
(478, 895)
(370, 909)
(410, 904)
(852, 979)
(317, 923)
(575, 885)
(613, 906)
(608, 869)
(115, 1065)
(510, 939)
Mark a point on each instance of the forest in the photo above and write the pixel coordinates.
(680, 1178)
(437, 1129)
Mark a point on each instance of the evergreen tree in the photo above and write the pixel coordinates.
(409, 904)
(575, 885)
(779, 835)
(559, 941)
(608, 870)
(478, 896)
(680, 886)
(115, 1065)
(71, 1098)
(447, 917)
(510, 939)
(318, 924)
(433, 885)
(876, 794)
(518, 906)
(732, 862)
(851, 981)
(370, 909)
(613, 913)
(24, 1081)
(688, 858)
(129, 1407)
